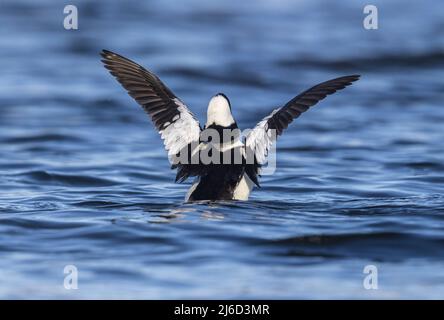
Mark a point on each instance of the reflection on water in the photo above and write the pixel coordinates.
(359, 179)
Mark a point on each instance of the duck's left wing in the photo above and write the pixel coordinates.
(260, 139)
(176, 124)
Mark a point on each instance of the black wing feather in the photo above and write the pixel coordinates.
(302, 102)
(281, 118)
(144, 86)
(164, 108)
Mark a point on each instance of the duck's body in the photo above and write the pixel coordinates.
(224, 178)
(211, 188)
(225, 167)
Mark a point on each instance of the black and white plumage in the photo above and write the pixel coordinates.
(176, 124)
(182, 133)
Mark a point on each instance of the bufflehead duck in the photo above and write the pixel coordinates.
(184, 138)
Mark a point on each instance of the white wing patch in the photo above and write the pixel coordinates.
(183, 130)
(260, 139)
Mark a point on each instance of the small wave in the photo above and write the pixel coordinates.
(97, 204)
(42, 138)
(239, 77)
(420, 165)
(33, 224)
(383, 62)
(378, 246)
(70, 180)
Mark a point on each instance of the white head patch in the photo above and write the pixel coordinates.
(219, 112)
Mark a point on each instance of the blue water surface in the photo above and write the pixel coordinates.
(84, 179)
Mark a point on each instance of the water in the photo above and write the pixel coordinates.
(84, 179)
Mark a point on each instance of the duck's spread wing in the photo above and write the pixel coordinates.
(260, 139)
(176, 124)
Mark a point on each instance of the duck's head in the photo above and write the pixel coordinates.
(219, 111)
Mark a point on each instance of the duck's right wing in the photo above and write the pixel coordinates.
(260, 139)
(176, 124)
